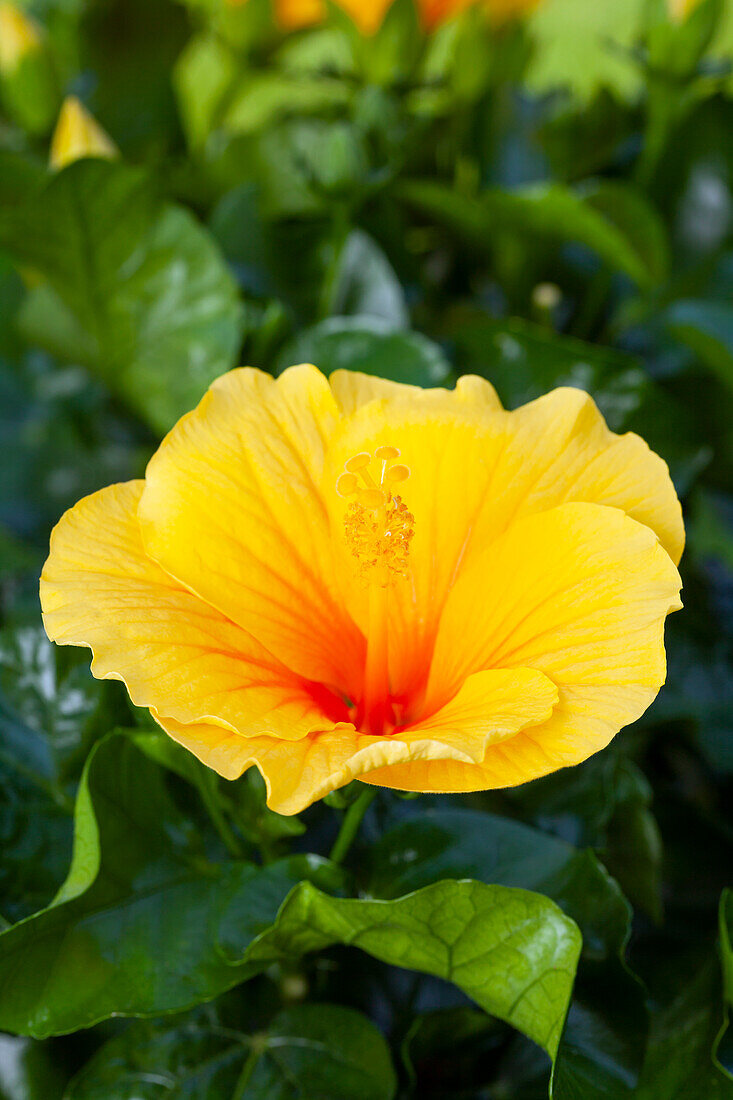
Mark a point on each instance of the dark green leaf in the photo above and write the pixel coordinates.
(456, 843)
(325, 1051)
(706, 328)
(370, 345)
(524, 360)
(58, 704)
(680, 1062)
(134, 928)
(608, 226)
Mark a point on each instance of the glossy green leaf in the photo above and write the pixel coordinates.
(135, 291)
(603, 1037)
(511, 951)
(307, 1051)
(370, 345)
(134, 927)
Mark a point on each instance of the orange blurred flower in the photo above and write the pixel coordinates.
(359, 579)
(369, 14)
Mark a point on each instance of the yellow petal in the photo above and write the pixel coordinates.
(580, 593)
(172, 650)
(475, 469)
(559, 449)
(491, 706)
(78, 135)
(19, 36)
(353, 389)
(233, 508)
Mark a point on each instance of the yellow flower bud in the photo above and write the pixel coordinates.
(19, 36)
(78, 135)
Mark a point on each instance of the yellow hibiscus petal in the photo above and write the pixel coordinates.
(233, 509)
(171, 649)
(298, 773)
(559, 449)
(581, 593)
(489, 707)
(475, 469)
(352, 390)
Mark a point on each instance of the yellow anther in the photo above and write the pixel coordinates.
(397, 473)
(377, 524)
(358, 462)
(347, 484)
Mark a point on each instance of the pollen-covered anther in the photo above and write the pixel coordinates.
(378, 525)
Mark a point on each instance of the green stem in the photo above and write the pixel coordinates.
(350, 824)
(340, 231)
(247, 1070)
(210, 799)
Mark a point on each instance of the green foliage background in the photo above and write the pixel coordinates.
(550, 203)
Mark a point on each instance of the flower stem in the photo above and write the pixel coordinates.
(350, 824)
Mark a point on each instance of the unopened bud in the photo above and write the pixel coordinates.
(19, 37)
(78, 135)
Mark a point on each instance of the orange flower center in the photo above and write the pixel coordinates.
(378, 529)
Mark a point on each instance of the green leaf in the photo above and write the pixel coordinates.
(134, 928)
(134, 291)
(512, 952)
(203, 74)
(611, 221)
(707, 329)
(370, 345)
(681, 1062)
(458, 843)
(28, 1071)
(30, 92)
(35, 819)
(19, 176)
(632, 214)
(603, 1037)
(366, 284)
(325, 1051)
(592, 805)
(524, 360)
(321, 1050)
(582, 47)
(263, 98)
(59, 704)
(700, 689)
